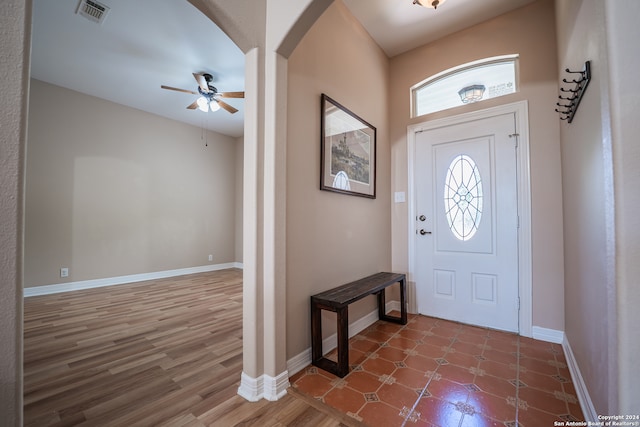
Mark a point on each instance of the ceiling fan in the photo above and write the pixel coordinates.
(209, 95)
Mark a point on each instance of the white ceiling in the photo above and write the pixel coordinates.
(399, 25)
(143, 44)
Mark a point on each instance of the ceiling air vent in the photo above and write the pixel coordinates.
(93, 11)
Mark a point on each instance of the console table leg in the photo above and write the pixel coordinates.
(343, 341)
(382, 315)
(403, 301)
(382, 305)
(316, 332)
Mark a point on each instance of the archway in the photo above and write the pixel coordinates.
(267, 34)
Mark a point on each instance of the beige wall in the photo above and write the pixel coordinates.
(529, 32)
(600, 155)
(333, 238)
(587, 185)
(113, 191)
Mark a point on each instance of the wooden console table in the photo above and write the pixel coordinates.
(338, 300)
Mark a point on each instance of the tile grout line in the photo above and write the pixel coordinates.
(363, 362)
(520, 407)
(376, 351)
(338, 379)
(484, 348)
(562, 384)
(475, 375)
(383, 383)
(415, 404)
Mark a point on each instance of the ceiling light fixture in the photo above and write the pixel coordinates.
(205, 104)
(471, 93)
(214, 106)
(433, 4)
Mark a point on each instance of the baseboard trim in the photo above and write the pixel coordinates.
(119, 280)
(588, 410)
(548, 335)
(251, 388)
(276, 387)
(263, 387)
(303, 359)
(298, 362)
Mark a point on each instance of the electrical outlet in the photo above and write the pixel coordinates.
(64, 272)
(210, 257)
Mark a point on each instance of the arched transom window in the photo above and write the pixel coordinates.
(472, 82)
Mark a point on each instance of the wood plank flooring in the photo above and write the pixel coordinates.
(159, 353)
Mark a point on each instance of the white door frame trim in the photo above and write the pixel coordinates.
(521, 111)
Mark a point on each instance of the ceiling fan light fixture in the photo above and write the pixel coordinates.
(208, 99)
(203, 104)
(214, 105)
(432, 4)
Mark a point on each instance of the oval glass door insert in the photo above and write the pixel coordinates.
(463, 197)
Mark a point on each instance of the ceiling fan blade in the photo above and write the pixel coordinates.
(179, 90)
(202, 82)
(193, 105)
(227, 107)
(231, 94)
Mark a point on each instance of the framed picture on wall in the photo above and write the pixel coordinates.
(348, 151)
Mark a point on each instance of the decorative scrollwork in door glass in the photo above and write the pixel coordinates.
(463, 197)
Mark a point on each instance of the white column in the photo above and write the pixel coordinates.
(264, 236)
(15, 35)
(251, 384)
(275, 147)
(264, 314)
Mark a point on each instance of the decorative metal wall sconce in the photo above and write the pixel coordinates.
(570, 97)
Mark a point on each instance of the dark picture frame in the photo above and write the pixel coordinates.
(347, 151)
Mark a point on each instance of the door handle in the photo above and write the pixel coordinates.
(423, 232)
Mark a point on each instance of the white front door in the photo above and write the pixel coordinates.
(466, 249)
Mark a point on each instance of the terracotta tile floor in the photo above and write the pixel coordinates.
(434, 372)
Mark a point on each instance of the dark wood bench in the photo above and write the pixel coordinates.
(338, 300)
